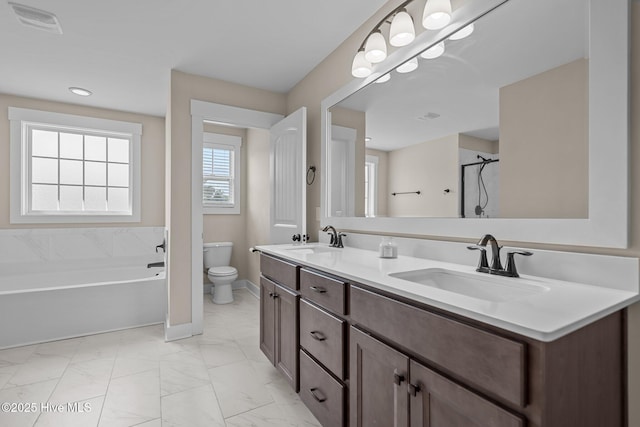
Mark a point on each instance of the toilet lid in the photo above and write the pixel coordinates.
(222, 271)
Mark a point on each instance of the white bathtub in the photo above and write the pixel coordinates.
(41, 307)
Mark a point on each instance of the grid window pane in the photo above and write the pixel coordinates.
(95, 173)
(44, 171)
(70, 198)
(95, 148)
(44, 197)
(71, 172)
(70, 146)
(118, 175)
(118, 199)
(95, 199)
(44, 143)
(118, 150)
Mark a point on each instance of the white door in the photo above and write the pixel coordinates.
(288, 169)
(341, 179)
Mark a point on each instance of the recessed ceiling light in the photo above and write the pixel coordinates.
(36, 18)
(80, 91)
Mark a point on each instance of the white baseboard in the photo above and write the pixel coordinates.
(238, 284)
(177, 332)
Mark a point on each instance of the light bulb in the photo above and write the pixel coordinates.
(437, 14)
(402, 31)
(375, 49)
(462, 32)
(408, 66)
(433, 52)
(360, 68)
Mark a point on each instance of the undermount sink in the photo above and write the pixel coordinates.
(309, 249)
(481, 286)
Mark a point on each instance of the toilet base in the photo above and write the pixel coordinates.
(222, 294)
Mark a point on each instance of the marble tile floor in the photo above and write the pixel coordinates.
(134, 378)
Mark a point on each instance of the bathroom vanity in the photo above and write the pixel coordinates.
(375, 349)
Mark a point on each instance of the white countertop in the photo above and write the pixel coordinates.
(560, 309)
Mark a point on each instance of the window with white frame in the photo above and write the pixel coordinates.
(370, 186)
(221, 174)
(68, 168)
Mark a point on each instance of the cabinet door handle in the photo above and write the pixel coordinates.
(275, 295)
(318, 289)
(397, 378)
(413, 389)
(315, 395)
(318, 336)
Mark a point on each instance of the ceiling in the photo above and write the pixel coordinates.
(123, 50)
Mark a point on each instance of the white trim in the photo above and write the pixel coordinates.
(373, 185)
(177, 332)
(235, 143)
(208, 111)
(19, 117)
(607, 225)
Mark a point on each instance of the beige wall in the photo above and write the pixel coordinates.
(544, 169)
(152, 150)
(478, 144)
(184, 88)
(429, 167)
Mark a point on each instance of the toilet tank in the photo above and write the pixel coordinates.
(217, 254)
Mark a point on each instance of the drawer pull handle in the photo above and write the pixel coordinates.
(273, 295)
(318, 289)
(397, 378)
(413, 389)
(318, 336)
(315, 395)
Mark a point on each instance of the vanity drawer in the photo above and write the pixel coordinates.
(280, 271)
(325, 291)
(323, 395)
(322, 335)
(483, 360)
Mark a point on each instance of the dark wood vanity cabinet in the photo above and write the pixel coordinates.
(366, 357)
(279, 304)
(388, 388)
(423, 368)
(323, 346)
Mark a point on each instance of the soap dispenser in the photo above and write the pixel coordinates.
(388, 248)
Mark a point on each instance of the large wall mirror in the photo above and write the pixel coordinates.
(519, 129)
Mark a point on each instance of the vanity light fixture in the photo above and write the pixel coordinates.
(437, 14)
(433, 52)
(80, 91)
(374, 47)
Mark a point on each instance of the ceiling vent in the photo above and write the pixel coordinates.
(36, 18)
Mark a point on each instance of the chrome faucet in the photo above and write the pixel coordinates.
(496, 265)
(335, 240)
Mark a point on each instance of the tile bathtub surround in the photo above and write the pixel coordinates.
(133, 377)
(57, 249)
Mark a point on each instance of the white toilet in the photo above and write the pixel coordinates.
(217, 257)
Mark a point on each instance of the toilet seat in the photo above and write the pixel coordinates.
(222, 271)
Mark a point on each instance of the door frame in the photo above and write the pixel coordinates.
(202, 111)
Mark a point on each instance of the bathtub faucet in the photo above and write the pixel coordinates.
(156, 264)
